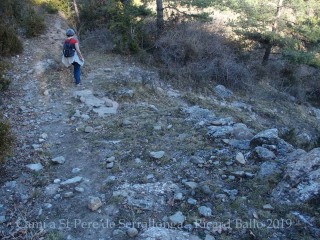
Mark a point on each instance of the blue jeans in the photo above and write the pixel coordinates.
(76, 72)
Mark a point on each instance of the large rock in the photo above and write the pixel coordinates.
(268, 169)
(161, 233)
(222, 91)
(269, 137)
(219, 131)
(242, 132)
(302, 181)
(263, 154)
(198, 114)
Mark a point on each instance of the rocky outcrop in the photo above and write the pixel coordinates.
(301, 182)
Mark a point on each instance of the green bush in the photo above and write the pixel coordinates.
(123, 20)
(33, 23)
(9, 42)
(6, 140)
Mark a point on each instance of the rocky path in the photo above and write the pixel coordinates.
(125, 156)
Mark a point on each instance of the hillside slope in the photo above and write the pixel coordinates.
(126, 156)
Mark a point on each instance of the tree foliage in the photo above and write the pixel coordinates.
(123, 18)
(294, 32)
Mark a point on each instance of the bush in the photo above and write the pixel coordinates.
(6, 140)
(33, 23)
(194, 56)
(9, 42)
(123, 20)
(4, 82)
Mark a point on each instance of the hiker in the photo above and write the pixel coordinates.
(73, 55)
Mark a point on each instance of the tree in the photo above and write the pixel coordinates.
(175, 6)
(290, 26)
(160, 20)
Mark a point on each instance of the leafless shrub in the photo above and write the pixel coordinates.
(98, 40)
(194, 56)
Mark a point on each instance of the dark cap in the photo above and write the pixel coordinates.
(70, 32)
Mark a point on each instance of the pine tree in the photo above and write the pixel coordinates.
(290, 26)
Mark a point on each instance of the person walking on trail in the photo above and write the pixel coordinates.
(72, 55)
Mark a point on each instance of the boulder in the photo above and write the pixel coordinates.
(302, 179)
(269, 137)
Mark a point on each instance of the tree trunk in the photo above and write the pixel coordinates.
(76, 9)
(269, 45)
(160, 21)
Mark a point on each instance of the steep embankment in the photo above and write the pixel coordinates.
(126, 156)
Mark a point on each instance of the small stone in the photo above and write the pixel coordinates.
(2, 219)
(47, 205)
(35, 167)
(85, 117)
(178, 196)
(110, 165)
(205, 211)
(150, 176)
(192, 201)
(68, 194)
(59, 160)
(44, 136)
(57, 181)
(46, 92)
(197, 160)
(94, 203)
(268, 207)
(192, 185)
(89, 129)
(76, 170)
(177, 219)
(57, 196)
(77, 114)
(157, 155)
(72, 181)
(157, 127)
(51, 189)
(79, 189)
(110, 179)
(231, 178)
(110, 159)
(240, 158)
(132, 232)
(36, 146)
(138, 160)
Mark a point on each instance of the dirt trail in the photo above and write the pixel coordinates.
(58, 122)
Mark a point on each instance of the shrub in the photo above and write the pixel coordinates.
(9, 42)
(197, 57)
(4, 82)
(123, 20)
(6, 140)
(33, 23)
